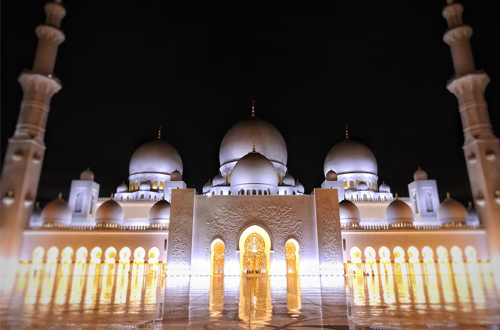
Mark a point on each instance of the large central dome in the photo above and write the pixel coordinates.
(240, 137)
(350, 156)
(156, 156)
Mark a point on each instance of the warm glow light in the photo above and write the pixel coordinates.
(267, 245)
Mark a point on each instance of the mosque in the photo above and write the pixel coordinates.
(253, 218)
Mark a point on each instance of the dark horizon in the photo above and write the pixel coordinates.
(381, 68)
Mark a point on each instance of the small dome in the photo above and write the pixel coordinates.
(87, 175)
(155, 156)
(420, 175)
(288, 180)
(219, 180)
(254, 168)
(350, 156)
(362, 186)
(176, 176)
(299, 187)
(349, 212)
(207, 187)
(159, 212)
(109, 212)
(122, 188)
(145, 186)
(451, 211)
(384, 188)
(331, 176)
(398, 211)
(57, 211)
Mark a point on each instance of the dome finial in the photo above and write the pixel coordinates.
(112, 195)
(448, 195)
(396, 197)
(253, 108)
(253, 146)
(346, 131)
(59, 196)
(159, 132)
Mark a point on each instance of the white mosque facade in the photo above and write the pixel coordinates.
(253, 218)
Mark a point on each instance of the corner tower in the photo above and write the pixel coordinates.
(481, 146)
(26, 148)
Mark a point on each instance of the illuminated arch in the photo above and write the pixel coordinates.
(80, 261)
(124, 266)
(457, 258)
(399, 260)
(370, 261)
(66, 260)
(153, 261)
(263, 234)
(37, 259)
(427, 253)
(51, 263)
(385, 261)
(355, 266)
(414, 261)
(109, 261)
(471, 253)
(443, 259)
(292, 257)
(355, 254)
(95, 261)
(139, 255)
(217, 249)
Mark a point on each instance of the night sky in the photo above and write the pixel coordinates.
(193, 67)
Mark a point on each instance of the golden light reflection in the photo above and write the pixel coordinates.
(216, 303)
(293, 297)
(255, 298)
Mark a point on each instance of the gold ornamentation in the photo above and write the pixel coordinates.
(254, 259)
(291, 261)
(219, 258)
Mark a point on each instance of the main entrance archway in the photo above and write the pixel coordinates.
(255, 246)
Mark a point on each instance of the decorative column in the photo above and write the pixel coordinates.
(25, 151)
(481, 146)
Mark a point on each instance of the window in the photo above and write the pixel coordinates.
(155, 184)
(254, 192)
(248, 192)
(343, 244)
(428, 202)
(161, 185)
(221, 192)
(79, 202)
(351, 184)
(92, 202)
(260, 192)
(415, 204)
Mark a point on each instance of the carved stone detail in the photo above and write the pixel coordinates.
(330, 244)
(180, 235)
(227, 222)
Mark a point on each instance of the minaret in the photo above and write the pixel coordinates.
(25, 151)
(481, 146)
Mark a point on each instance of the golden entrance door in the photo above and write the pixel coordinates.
(254, 259)
(219, 258)
(291, 261)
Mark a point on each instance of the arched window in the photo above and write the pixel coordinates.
(213, 192)
(221, 193)
(265, 192)
(229, 192)
(294, 193)
(351, 184)
(254, 192)
(92, 202)
(260, 192)
(357, 183)
(131, 186)
(142, 196)
(345, 184)
(155, 184)
(370, 186)
(248, 192)
(268, 191)
(136, 185)
(375, 186)
(415, 204)
(428, 202)
(161, 185)
(218, 258)
(79, 202)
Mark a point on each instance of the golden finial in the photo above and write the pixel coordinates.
(397, 197)
(469, 206)
(159, 132)
(112, 195)
(346, 131)
(253, 146)
(253, 108)
(59, 196)
(448, 195)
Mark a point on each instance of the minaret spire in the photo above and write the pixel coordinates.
(481, 146)
(346, 131)
(253, 108)
(24, 156)
(159, 132)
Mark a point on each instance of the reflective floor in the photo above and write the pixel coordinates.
(231, 302)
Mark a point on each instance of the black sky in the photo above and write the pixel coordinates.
(193, 67)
